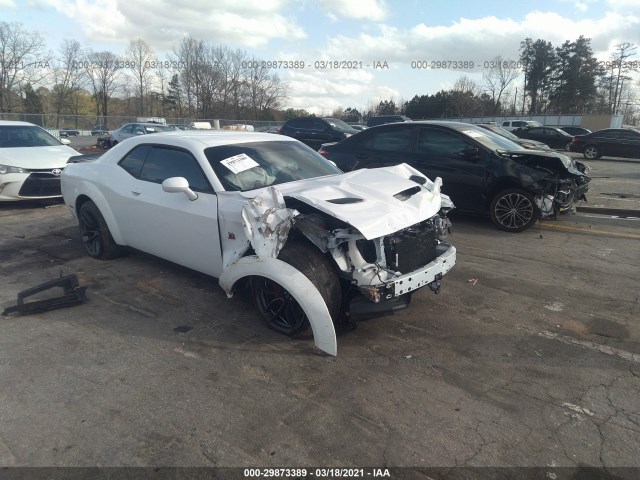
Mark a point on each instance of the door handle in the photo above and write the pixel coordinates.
(135, 193)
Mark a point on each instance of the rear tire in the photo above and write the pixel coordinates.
(96, 236)
(591, 152)
(514, 210)
(279, 309)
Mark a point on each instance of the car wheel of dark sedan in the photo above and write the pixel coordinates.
(513, 210)
(591, 152)
(279, 309)
(95, 233)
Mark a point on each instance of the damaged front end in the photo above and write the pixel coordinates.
(380, 258)
(560, 181)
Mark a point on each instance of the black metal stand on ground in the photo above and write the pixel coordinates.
(73, 294)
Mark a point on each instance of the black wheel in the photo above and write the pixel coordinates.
(279, 309)
(113, 143)
(513, 210)
(96, 237)
(591, 152)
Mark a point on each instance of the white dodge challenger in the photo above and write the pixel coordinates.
(316, 245)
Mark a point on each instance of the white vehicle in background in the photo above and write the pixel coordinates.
(314, 244)
(129, 130)
(31, 160)
(511, 125)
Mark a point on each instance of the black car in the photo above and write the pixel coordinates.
(572, 130)
(382, 119)
(100, 130)
(314, 131)
(610, 142)
(68, 132)
(523, 142)
(552, 136)
(481, 171)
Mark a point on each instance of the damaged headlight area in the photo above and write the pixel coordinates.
(559, 195)
(385, 270)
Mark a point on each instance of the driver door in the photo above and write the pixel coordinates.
(167, 225)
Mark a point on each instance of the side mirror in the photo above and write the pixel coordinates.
(179, 185)
(65, 141)
(471, 153)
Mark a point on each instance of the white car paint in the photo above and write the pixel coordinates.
(212, 232)
(45, 160)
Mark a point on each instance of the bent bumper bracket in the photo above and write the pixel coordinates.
(73, 294)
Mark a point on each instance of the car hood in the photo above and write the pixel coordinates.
(546, 159)
(36, 158)
(532, 144)
(377, 201)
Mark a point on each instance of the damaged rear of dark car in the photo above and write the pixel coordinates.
(482, 172)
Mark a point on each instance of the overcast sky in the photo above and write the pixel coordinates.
(368, 31)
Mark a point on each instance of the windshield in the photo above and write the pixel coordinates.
(157, 128)
(491, 140)
(339, 125)
(12, 136)
(247, 166)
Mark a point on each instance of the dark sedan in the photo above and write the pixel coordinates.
(552, 136)
(481, 171)
(68, 132)
(523, 142)
(611, 142)
(573, 130)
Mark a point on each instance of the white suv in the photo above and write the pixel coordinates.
(515, 124)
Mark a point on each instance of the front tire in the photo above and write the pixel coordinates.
(95, 233)
(591, 152)
(279, 309)
(513, 210)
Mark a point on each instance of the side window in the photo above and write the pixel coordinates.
(127, 128)
(537, 131)
(163, 163)
(295, 123)
(391, 141)
(319, 126)
(133, 161)
(440, 142)
(629, 135)
(609, 134)
(505, 124)
(139, 130)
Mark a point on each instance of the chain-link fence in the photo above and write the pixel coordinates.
(85, 123)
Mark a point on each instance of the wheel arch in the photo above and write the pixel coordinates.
(88, 192)
(498, 186)
(298, 285)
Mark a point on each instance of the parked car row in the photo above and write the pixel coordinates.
(482, 172)
(314, 245)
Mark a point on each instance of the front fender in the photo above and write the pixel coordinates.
(298, 285)
(95, 195)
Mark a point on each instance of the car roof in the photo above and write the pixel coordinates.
(15, 123)
(208, 138)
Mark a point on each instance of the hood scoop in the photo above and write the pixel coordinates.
(405, 195)
(345, 200)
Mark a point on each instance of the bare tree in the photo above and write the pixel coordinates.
(103, 72)
(68, 76)
(140, 59)
(619, 70)
(497, 78)
(464, 95)
(22, 60)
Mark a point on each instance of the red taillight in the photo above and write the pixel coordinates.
(323, 152)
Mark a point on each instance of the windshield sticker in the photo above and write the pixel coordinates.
(239, 163)
(473, 133)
